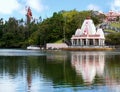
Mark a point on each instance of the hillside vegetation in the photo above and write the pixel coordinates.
(16, 33)
(115, 24)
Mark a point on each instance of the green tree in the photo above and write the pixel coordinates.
(113, 39)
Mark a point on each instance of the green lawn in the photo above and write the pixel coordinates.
(115, 24)
(59, 41)
(109, 31)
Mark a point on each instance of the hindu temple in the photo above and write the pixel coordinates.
(88, 35)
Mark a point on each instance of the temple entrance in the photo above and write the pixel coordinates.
(90, 41)
(75, 42)
(84, 41)
(96, 42)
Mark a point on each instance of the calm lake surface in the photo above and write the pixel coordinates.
(59, 71)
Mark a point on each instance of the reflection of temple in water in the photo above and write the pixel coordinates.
(88, 64)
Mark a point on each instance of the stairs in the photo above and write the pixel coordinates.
(68, 42)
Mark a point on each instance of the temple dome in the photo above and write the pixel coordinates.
(88, 27)
(78, 32)
(100, 32)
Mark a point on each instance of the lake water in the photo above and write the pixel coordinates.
(59, 71)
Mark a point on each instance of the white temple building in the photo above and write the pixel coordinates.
(88, 35)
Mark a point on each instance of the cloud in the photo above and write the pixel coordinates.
(36, 5)
(8, 6)
(115, 5)
(93, 7)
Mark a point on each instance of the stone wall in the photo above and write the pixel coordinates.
(56, 45)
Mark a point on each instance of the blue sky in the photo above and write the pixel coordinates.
(45, 8)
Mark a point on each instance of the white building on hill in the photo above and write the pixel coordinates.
(112, 16)
(88, 35)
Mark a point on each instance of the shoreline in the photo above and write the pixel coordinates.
(88, 48)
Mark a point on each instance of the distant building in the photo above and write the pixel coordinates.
(88, 35)
(108, 17)
(112, 16)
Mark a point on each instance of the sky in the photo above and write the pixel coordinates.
(46, 8)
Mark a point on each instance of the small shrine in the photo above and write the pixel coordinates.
(88, 35)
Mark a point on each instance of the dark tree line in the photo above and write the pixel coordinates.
(16, 33)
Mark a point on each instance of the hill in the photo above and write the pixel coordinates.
(111, 27)
(62, 25)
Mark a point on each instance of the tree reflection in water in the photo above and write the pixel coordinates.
(63, 70)
(97, 66)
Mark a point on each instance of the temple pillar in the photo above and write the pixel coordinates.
(81, 42)
(72, 41)
(77, 42)
(99, 42)
(86, 42)
(103, 42)
(93, 41)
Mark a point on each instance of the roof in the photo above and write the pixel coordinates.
(88, 29)
(100, 32)
(78, 32)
